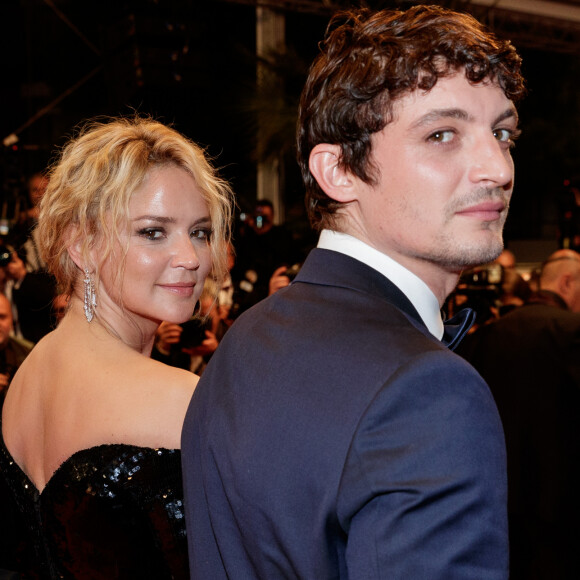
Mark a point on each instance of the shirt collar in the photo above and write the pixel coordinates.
(420, 295)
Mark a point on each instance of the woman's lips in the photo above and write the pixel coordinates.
(180, 288)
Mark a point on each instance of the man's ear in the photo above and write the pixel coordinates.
(330, 175)
(565, 284)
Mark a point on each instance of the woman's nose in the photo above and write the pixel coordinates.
(184, 255)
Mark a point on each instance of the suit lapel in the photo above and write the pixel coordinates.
(335, 269)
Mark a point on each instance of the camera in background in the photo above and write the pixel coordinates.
(5, 256)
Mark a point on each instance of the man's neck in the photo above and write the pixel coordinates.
(414, 288)
(440, 282)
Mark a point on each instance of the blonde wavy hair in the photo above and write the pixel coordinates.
(91, 183)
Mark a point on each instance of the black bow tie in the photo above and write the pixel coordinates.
(456, 327)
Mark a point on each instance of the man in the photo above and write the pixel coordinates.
(31, 295)
(560, 280)
(568, 203)
(261, 249)
(531, 361)
(24, 236)
(333, 435)
(12, 354)
(12, 350)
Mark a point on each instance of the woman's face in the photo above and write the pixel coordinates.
(168, 254)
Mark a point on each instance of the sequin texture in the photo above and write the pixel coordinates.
(108, 512)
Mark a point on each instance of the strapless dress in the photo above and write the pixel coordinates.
(108, 512)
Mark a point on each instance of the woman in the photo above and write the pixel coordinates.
(132, 221)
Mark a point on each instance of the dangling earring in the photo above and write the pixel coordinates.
(90, 297)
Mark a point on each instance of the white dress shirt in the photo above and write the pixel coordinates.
(420, 295)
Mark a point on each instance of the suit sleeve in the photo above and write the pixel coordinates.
(423, 493)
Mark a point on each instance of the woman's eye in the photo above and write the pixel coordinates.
(151, 233)
(202, 234)
(441, 136)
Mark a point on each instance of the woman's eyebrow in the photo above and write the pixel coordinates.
(203, 220)
(155, 218)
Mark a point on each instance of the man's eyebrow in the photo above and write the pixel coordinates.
(438, 114)
(460, 114)
(510, 113)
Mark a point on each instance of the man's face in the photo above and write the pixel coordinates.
(445, 178)
(5, 320)
(16, 268)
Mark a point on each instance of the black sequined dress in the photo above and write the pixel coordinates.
(109, 512)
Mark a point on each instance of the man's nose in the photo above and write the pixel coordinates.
(492, 163)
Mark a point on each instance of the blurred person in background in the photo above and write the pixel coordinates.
(30, 294)
(37, 185)
(530, 358)
(13, 351)
(23, 236)
(259, 251)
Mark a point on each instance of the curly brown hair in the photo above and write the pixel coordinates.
(367, 61)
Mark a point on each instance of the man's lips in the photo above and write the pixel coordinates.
(487, 210)
(179, 288)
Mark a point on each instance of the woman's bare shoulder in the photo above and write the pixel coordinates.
(158, 397)
(159, 377)
(93, 400)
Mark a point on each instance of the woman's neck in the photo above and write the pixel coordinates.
(112, 324)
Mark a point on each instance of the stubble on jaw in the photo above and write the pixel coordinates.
(468, 256)
(454, 252)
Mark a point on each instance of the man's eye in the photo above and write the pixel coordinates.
(151, 233)
(441, 136)
(506, 135)
(202, 234)
(502, 135)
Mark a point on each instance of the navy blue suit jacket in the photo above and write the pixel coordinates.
(332, 436)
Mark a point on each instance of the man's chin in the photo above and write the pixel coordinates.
(483, 257)
(465, 257)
